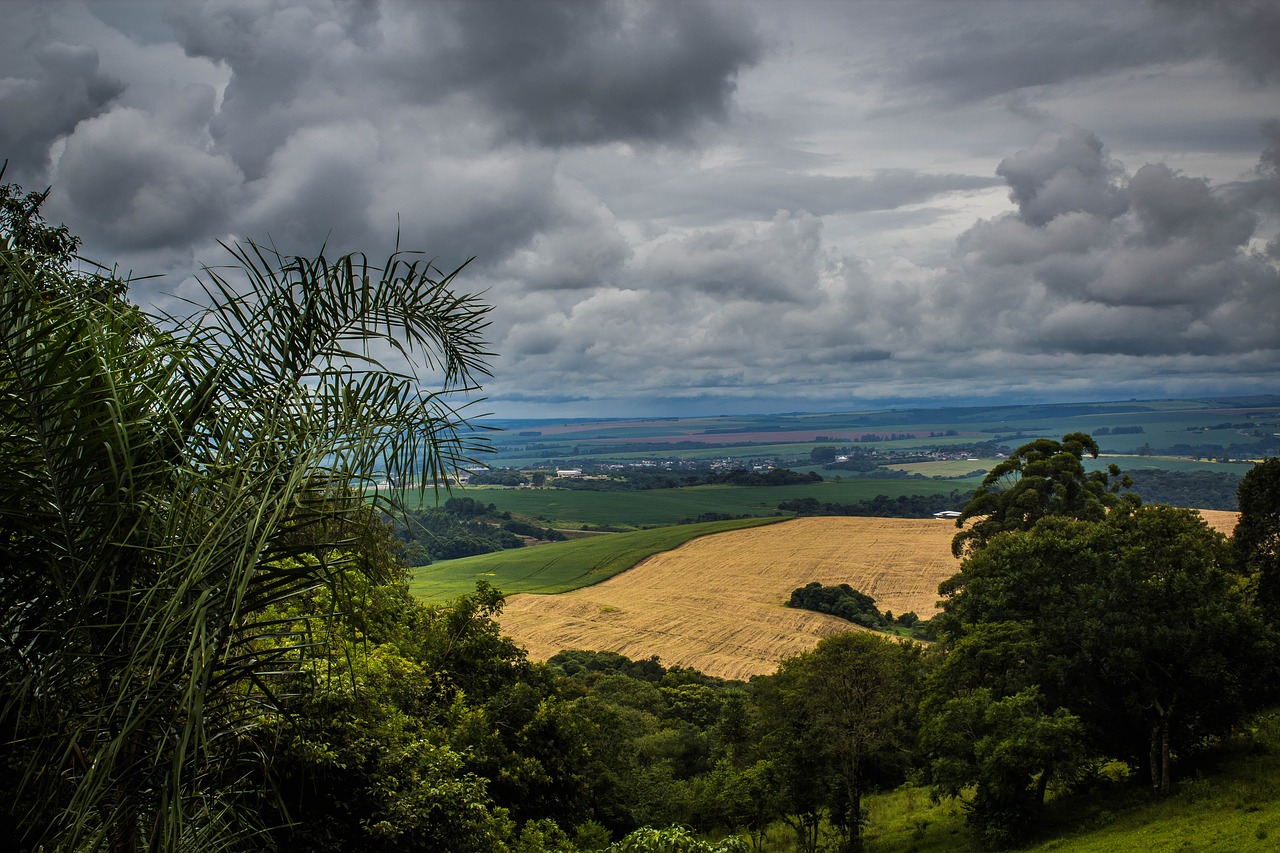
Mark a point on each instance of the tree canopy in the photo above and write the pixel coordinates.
(1039, 479)
(166, 482)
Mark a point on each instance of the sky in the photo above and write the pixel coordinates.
(680, 207)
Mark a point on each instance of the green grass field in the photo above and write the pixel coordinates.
(560, 566)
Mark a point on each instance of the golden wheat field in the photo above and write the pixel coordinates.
(716, 603)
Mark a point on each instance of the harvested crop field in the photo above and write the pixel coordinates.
(1221, 519)
(715, 603)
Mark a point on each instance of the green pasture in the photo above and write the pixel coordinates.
(571, 507)
(949, 468)
(560, 566)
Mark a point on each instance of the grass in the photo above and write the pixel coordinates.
(562, 566)
(1233, 807)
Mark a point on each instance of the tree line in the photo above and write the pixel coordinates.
(646, 478)
(461, 527)
(881, 506)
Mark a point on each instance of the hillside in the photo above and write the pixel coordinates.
(716, 603)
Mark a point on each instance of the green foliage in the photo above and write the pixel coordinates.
(562, 566)
(1040, 479)
(841, 600)
(822, 454)
(438, 534)
(1010, 748)
(1195, 489)
(674, 839)
(841, 719)
(1136, 626)
(1257, 534)
(576, 663)
(166, 483)
(23, 230)
(881, 506)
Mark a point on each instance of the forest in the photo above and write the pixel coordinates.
(208, 642)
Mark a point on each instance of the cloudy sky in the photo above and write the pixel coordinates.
(686, 207)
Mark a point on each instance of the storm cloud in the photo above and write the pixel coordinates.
(705, 206)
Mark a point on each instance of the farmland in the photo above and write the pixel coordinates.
(671, 506)
(560, 567)
(715, 604)
(1180, 428)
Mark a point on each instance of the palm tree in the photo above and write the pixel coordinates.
(155, 475)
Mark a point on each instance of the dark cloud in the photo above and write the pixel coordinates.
(971, 57)
(67, 88)
(1077, 271)
(1242, 33)
(292, 64)
(705, 201)
(126, 181)
(568, 72)
(1063, 173)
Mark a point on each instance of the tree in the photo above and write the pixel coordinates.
(1257, 533)
(370, 760)
(1009, 749)
(1039, 479)
(157, 475)
(23, 229)
(1137, 624)
(988, 724)
(854, 694)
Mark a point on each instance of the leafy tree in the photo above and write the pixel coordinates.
(822, 454)
(381, 754)
(853, 696)
(1136, 624)
(157, 474)
(841, 600)
(1257, 533)
(42, 247)
(986, 723)
(1039, 479)
(1009, 749)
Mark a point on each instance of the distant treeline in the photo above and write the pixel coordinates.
(463, 527)
(882, 506)
(642, 479)
(1120, 430)
(1193, 489)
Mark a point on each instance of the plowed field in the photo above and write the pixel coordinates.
(716, 603)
